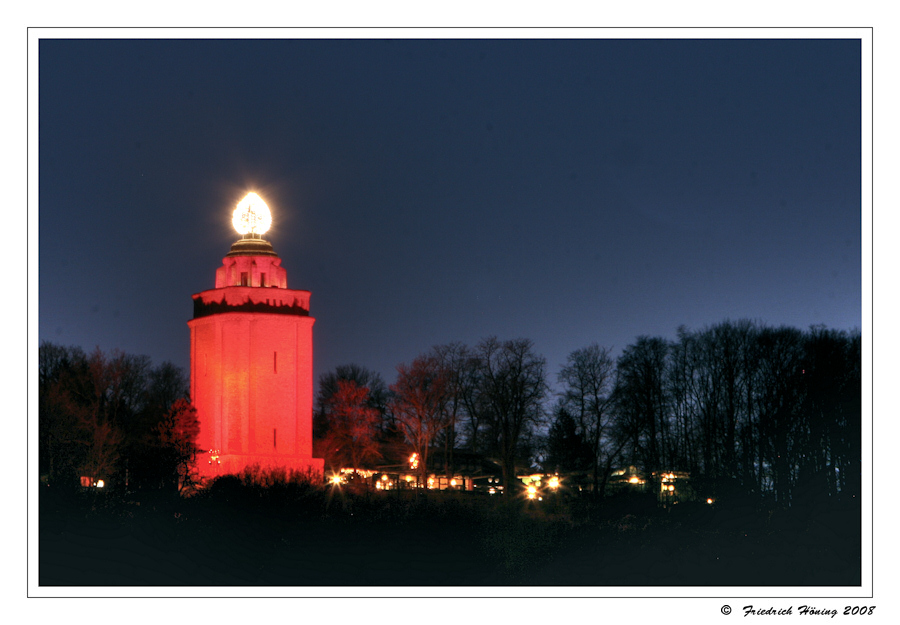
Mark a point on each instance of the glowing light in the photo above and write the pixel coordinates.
(532, 492)
(336, 480)
(100, 484)
(453, 482)
(671, 488)
(709, 500)
(414, 461)
(384, 478)
(634, 480)
(359, 472)
(251, 216)
(532, 479)
(554, 482)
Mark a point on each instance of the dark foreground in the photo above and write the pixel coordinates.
(296, 535)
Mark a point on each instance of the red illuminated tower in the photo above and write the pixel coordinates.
(252, 359)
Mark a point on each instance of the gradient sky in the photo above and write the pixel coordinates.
(429, 191)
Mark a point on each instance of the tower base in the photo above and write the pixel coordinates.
(235, 464)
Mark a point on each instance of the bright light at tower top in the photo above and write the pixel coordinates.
(251, 216)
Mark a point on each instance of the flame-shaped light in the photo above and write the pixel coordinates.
(251, 216)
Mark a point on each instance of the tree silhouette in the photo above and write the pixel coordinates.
(643, 403)
(352, 437)
(512, 388)
(328, 385)
(746, 409)
(419, 404)
(588, 380)
(567, 450)
(178, 435)
(62, 374)
(99, 415)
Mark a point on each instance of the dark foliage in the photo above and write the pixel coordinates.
(747, 410)
(261, 529)
(330, 428)
(765, 420)
(567, 451)
(110, 417)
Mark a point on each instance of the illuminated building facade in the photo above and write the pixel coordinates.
(252, 359)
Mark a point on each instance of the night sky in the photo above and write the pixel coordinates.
(429, 191)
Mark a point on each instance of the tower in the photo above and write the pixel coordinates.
(252, 359)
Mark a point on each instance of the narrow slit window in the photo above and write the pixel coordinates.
(274, 438)
(245, 278)
(275, 362)
(262, 279)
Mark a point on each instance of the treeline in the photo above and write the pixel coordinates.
(746, 409)
(489, 398)
(774, 412)
(113, 417)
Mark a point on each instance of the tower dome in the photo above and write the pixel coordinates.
(252, 246)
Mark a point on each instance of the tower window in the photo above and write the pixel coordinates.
(275, 362)
(262, 279)
(274, 438)
(245, 279)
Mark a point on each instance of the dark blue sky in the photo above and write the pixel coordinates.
(567, 191)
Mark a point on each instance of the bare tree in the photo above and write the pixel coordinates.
(778, 403)
(166, 384)
(178, 435)
(119, 385)
(470, 383)
(642, 403)
(352, 436)
(419, 404)
(62, 376)
(747, 409)
(513, 386)
(102, 443)
(564, 447)
(377, 397)
(588, 380)
(111, 416)
(684, 388)
(456, 360)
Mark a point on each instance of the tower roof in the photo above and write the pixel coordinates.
(251, 246)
